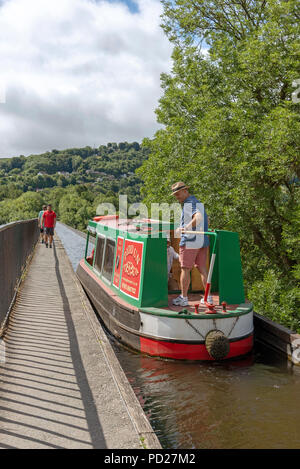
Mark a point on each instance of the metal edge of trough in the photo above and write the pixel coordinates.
(135, 411)
(278, 337)
(267, 331)
(17, 222)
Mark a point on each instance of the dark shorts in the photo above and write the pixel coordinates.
(42, 230)
(49, 231)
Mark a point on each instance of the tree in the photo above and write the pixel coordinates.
(53, 197)
(24, 207)
(231, 128)
(75, 210)
(76, 162)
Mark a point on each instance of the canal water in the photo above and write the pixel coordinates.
(251, 403)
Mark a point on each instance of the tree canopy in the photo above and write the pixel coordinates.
(231, 131)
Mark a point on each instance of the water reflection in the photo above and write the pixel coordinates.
(248, 403)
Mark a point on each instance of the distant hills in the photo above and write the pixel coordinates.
(111, 162)
(74, 180)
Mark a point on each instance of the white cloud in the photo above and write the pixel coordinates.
(78, 72)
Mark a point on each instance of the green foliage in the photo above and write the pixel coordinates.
(279, 297)
(24, 207)
(75, 181)
(75, 210)
(70, 167)
(231, 130)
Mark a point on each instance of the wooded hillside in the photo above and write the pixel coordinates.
(75, 181)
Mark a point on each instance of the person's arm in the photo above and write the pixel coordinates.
(54, 221)
(196, 220)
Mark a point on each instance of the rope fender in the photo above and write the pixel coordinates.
(217, 344)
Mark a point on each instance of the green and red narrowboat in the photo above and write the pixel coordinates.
(126, 280)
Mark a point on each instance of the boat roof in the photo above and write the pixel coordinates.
(143, 225)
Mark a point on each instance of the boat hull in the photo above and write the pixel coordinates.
(163, 336)
(184, 351)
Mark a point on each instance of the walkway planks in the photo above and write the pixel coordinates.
(58, 388)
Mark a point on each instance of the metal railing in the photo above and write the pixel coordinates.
(17, 240)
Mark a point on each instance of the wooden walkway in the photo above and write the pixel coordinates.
(61, 385)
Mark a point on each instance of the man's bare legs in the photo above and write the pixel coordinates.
(184, 281)
(182, 300)
(204, 274)
(185, 277)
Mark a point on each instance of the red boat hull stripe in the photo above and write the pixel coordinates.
(193, 351)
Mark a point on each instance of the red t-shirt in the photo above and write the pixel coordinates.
(49, 218)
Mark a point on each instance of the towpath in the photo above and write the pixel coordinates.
(61, 385)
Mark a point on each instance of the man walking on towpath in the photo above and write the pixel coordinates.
(40, 222)
(49, 219)
(193, 249)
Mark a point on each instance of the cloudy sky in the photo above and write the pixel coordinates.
(79, 72)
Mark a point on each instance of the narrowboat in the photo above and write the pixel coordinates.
(126, 279)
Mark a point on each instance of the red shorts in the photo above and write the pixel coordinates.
(193, 257)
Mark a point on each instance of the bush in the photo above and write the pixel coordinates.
(278, 299)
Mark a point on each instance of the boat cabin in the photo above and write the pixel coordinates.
(130, 258)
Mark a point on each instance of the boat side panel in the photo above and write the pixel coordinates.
(155, 274)
(110, 311)
(230, 274)
(149, 285)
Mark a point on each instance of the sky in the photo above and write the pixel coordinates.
(79, 72)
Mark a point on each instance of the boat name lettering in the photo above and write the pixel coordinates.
(131, 250)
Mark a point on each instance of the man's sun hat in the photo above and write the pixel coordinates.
(178, 186)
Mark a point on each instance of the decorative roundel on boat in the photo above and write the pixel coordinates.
(217, 344)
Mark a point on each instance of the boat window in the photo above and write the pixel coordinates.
(90, 248)
(99, 253)
(109, 259)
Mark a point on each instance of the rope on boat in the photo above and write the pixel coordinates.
(194, 328)
(233, 326)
